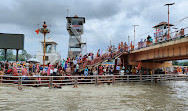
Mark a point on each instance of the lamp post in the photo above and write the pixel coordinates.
(134, 33)
(44, 31)
(168, 4)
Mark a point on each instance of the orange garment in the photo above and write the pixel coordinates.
(100, 70)
(121, 43)
(180, 70)
(133, 71)
(132, 47)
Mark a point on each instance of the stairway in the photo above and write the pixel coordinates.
(76, 34)
(104, 60)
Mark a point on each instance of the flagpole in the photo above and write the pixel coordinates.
(44, 50)
(44, 31)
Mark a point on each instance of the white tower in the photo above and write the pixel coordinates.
(51, 55)
(75, 28)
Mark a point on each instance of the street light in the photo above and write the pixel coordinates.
(168, 4)
(134, 33)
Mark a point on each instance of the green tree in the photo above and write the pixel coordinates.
(25, 55)
(185, 63)
(175, 63)
(2, 52)
(9, 55)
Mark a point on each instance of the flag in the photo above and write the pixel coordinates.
(37, 31)
(139, 65)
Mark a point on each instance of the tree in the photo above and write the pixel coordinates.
(9, 55)
(175, 63)
(2, 52)
(25, 55)
(185, 63)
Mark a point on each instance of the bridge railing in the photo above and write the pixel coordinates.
(178, 34)
(106, 56)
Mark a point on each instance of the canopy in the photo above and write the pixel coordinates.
(32, 60)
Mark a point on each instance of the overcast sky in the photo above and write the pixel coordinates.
(105, 20)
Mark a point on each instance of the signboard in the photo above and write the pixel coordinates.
(78, 28)
(11, 41)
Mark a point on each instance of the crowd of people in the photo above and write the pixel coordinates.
(68, 68)
(71, 66)
(78, 65)
(181, 70)
(159, 39)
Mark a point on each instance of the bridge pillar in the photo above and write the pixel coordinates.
(151, 65)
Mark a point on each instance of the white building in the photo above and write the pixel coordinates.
(51, 54)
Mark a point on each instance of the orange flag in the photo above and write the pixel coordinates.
(139, 65)
(37, 31)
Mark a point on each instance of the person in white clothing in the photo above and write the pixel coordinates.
(75, 61)
(51, 71)
(55, 71)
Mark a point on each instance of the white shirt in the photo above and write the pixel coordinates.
(77, 66)
(51, 71)
(95, 73)
(55, 70)
(89, 57)
(75, 62)
(104, 70)
(27, 64)
(122, 72)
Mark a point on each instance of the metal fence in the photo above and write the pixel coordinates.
(53, 81)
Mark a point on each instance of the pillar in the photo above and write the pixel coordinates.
(5, 54)
(17, 54)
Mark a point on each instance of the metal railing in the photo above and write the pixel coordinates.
(52, 81)
(176, 35)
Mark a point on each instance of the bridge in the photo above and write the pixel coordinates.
(157, 55)
(151, 56)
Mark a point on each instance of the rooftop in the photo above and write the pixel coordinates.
(49, 40)
(162, 23)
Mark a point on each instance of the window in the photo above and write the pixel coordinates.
(75, 22)
(80, 23)
(46, 58)
(54, 47)
(48, 48)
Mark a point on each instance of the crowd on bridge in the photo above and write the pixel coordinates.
(159, 39)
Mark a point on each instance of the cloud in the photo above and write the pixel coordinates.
(105, 20)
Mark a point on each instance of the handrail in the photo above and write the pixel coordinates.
(53, 81)
(93, 76)
(75, 32)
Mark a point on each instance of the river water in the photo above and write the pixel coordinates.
(164, 96)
